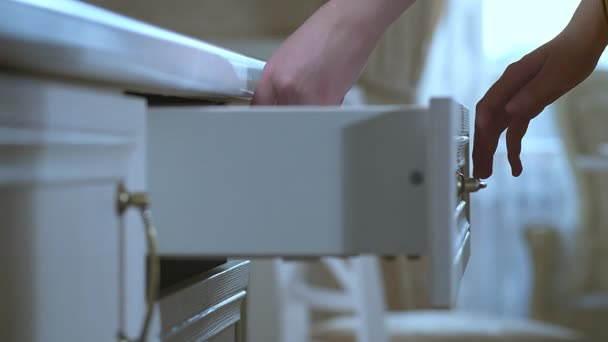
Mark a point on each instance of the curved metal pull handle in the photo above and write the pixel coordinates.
(468, 185)
(141, 201)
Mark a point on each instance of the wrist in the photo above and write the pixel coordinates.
(605, 8)
(369, 18)
(590, 22)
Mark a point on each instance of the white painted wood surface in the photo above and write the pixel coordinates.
(311, 181)
(224, 181)
(62, 150)
(234, 181)
(288, 181)
(117, 51)
(449, 242)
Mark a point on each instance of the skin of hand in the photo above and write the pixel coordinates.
(535, 81)
(323, 58)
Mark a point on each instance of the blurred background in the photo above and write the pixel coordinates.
(540, 242)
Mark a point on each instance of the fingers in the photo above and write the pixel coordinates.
(547, 86)
(491, 119)
(485, 143)
(525, 105)
(514, 78)
(288, 91)
(264, 94)
(515, 133)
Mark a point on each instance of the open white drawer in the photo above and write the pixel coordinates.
(314, 181)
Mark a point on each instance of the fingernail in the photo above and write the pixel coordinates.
(483, 175)
(517, 171)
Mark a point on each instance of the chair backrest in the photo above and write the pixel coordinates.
(360, 293)
(544, 248)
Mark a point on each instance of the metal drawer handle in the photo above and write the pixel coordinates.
(466, 185)
(141, 201)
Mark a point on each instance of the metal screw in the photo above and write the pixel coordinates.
(416, 178)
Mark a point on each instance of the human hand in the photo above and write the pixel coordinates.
(320, 62)
(535, 81)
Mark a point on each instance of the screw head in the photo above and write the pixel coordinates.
(416, 178)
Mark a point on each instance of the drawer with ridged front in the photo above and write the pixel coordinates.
(204, 306)
(245, 181)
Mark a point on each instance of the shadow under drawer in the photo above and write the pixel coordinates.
(175, 271)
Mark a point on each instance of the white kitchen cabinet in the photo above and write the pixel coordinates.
(66, 147)
(74, 268)
(224, 181)
(63, 150)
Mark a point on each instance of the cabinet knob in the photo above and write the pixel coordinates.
(141, 201)
(467, 185)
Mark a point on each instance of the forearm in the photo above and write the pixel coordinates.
(368, 18)
(590, 23)
(605, 3)
(319, 62)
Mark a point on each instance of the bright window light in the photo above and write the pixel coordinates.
(518, 26)
(515, 27)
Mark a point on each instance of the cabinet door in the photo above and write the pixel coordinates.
(62, 151)
(312, 181)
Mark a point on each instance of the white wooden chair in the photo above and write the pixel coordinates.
(359, 314)
(360, 296)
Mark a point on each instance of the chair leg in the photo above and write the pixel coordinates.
(369, 300)
(294, 325)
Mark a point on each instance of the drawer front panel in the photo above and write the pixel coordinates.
(205, 305)
(448, 158)
(187, 300)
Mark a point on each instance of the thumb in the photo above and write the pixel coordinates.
(264, 95)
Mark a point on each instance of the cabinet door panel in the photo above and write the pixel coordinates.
(63, 150)
(61, 266)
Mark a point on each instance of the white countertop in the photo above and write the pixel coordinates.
(66, 38)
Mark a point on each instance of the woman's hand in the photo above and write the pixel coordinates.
(320, 62)
(535, 81)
